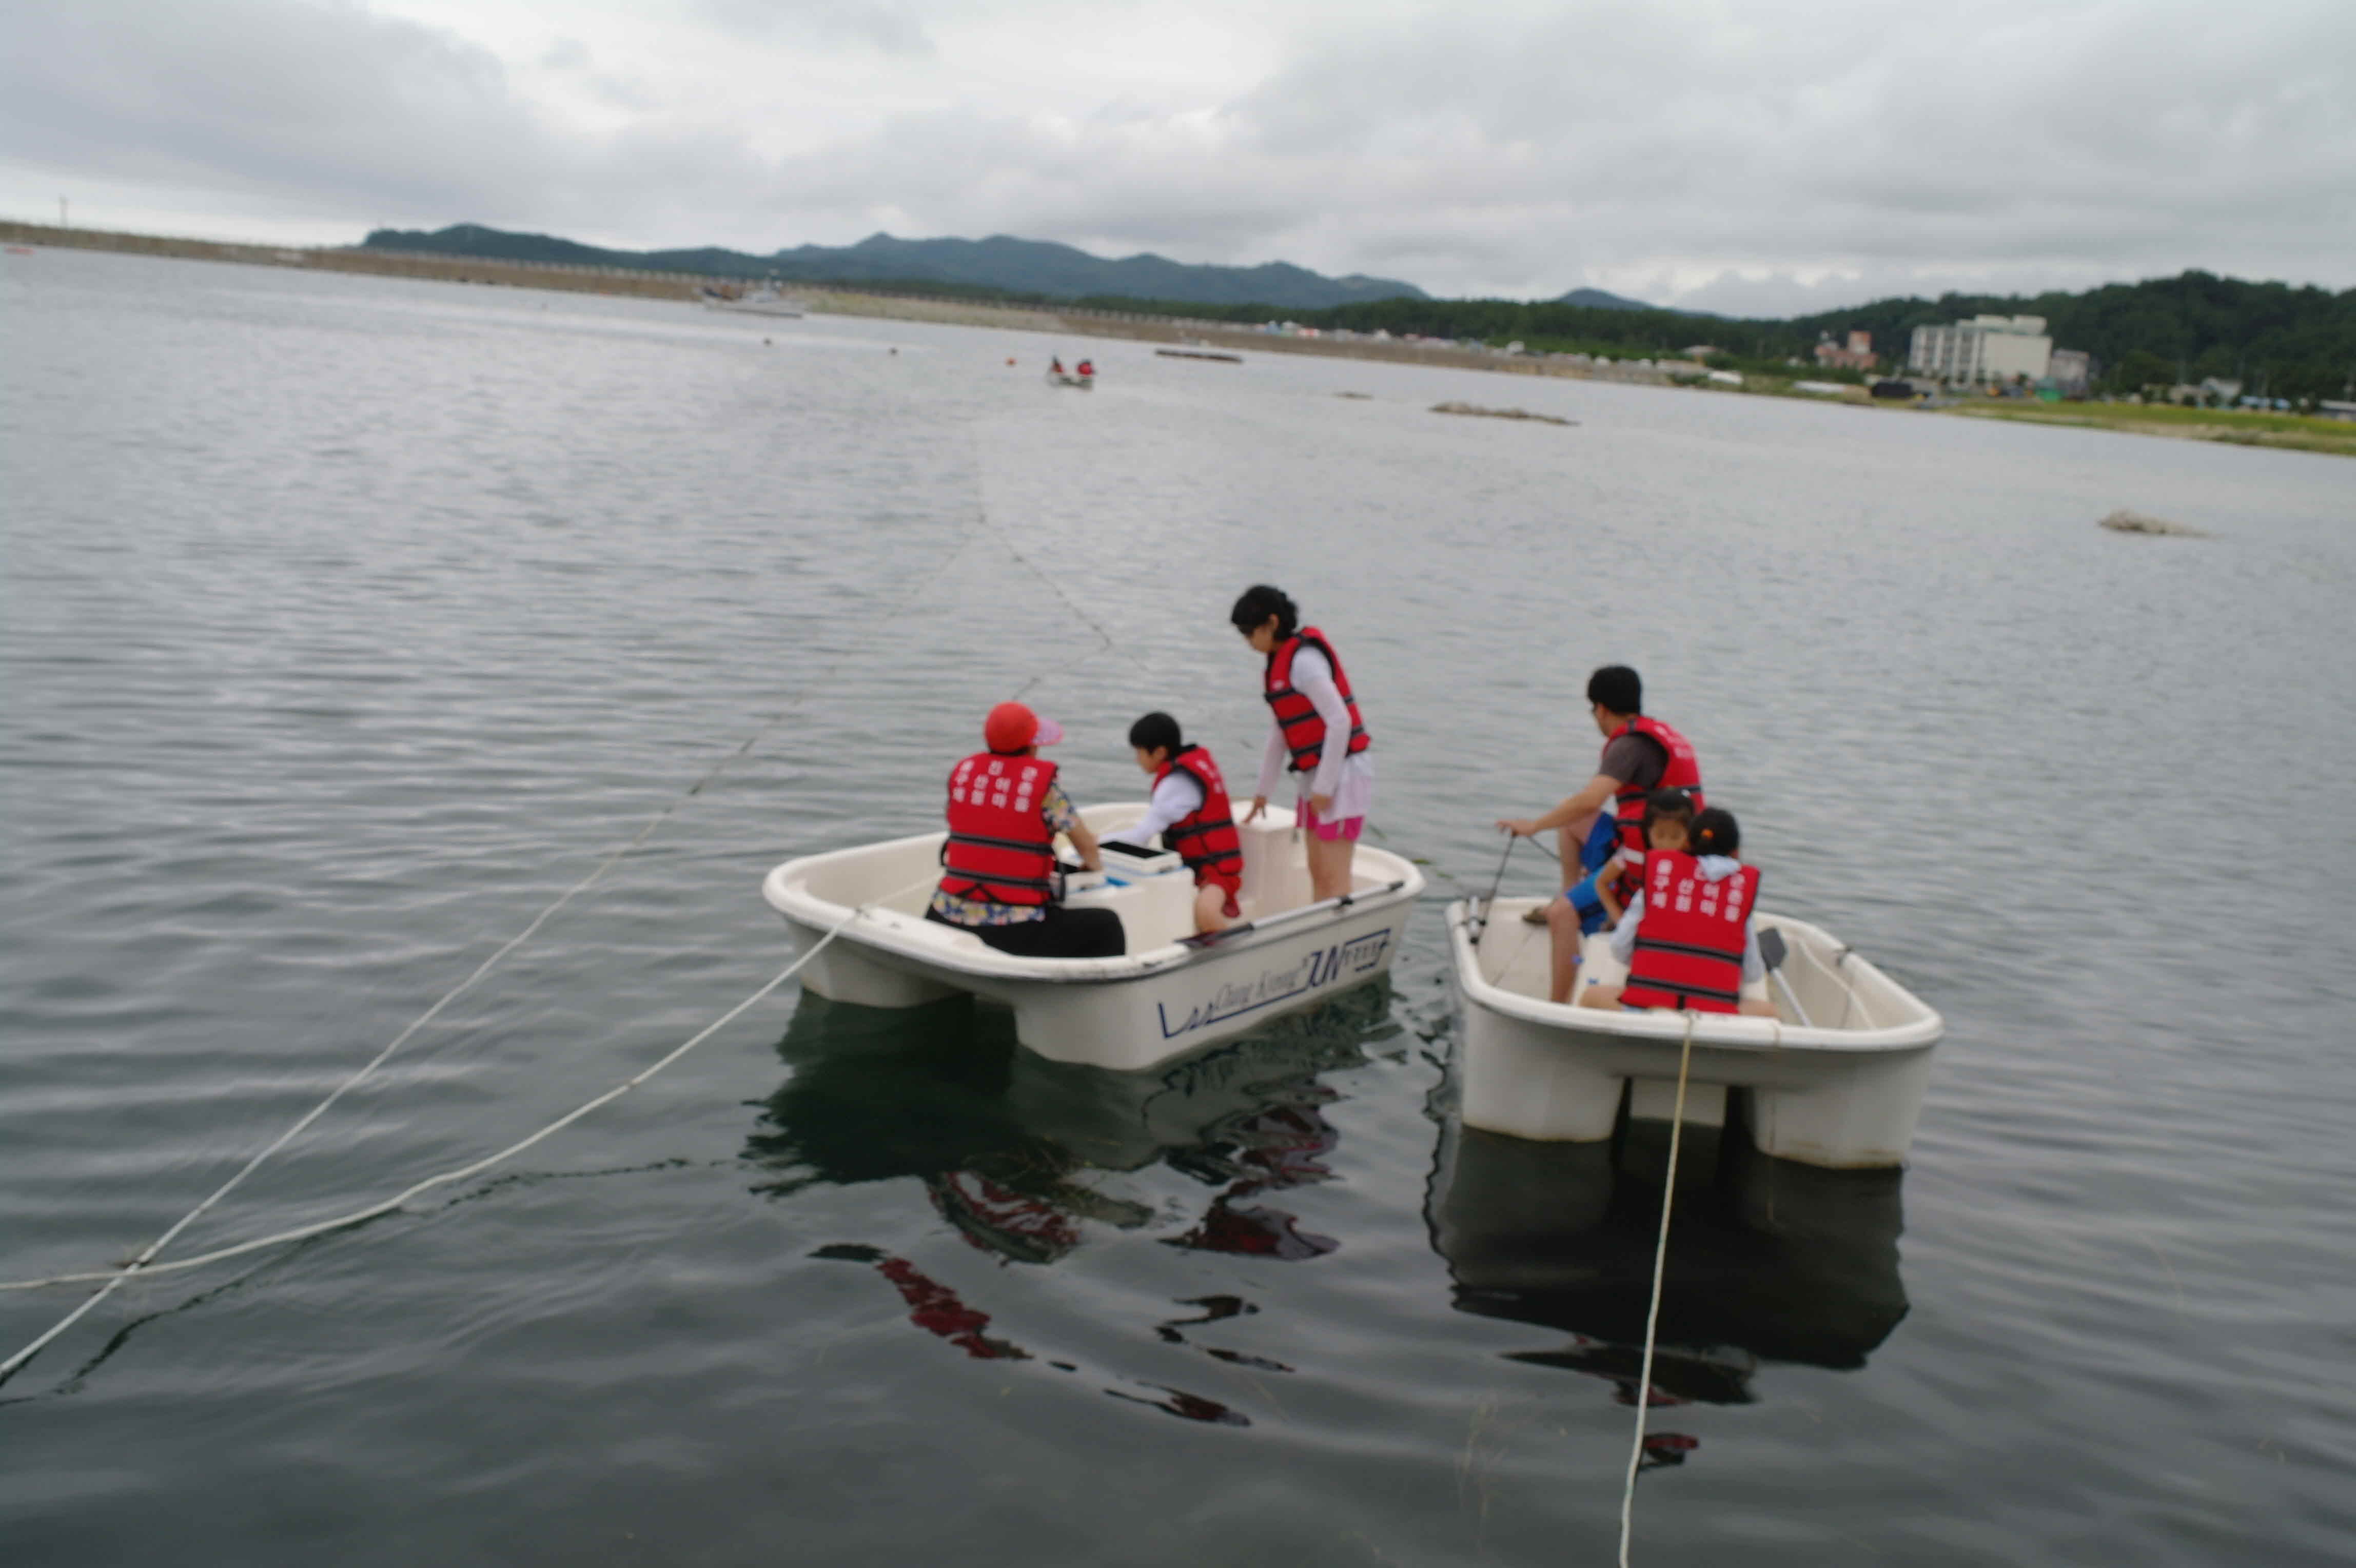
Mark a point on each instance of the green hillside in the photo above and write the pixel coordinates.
(2287, 341)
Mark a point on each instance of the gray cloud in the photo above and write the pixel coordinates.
(269, 93)
(894, 28)
(1776, 158)
(359, 113)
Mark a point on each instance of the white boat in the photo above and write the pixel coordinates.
(1171, 994)
(1066, 379)
(1835, 1079)
(764, 301)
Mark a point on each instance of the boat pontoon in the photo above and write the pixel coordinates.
(1835, 1079)
(1171, 994)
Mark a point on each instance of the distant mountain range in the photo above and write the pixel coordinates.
(1596, 299)
(1000, 264)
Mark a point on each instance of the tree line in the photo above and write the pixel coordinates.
(2278, 341)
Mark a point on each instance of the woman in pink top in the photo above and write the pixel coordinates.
(1316, 731)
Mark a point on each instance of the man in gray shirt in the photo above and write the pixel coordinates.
(1633, 762)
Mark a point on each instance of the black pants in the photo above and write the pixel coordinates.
(1063, 933)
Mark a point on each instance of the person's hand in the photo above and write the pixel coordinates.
(1258, 809)
(1520, 827)
(1321, 804)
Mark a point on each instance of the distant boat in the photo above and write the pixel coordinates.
(1066, 379)
(763, 301)
(1200, 354)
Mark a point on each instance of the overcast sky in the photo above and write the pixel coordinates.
(1771, 156)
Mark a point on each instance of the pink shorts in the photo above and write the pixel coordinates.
(1347, 827)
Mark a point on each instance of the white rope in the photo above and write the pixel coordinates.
(1652, 1314)
(148, 1253)
(144, 1261)
(116, 1277)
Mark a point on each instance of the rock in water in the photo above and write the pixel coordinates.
(2124, 521)
(1476, 410)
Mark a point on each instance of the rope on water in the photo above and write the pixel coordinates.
(115, 1278)
(144, 1261)
(597, 875)
(1653, 1312)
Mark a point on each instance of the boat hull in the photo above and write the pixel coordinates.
(1163, 1002)
(1841, 1097)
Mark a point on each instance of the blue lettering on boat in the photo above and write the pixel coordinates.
(1313, 972)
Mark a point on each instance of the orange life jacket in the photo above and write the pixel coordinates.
(1207, 839)
(1682, 771)
(1691, 940)
(1304, 732)
(999, 846)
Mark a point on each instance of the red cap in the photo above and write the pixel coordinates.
(1012, 727)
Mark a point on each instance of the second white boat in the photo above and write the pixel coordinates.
(1835, 1079)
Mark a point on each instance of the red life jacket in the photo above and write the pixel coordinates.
(1207, 839)
(1682, 772)
(1304, 732)
(999, 846)
(1689, 943)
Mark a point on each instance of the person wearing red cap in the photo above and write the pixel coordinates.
(1005, 808)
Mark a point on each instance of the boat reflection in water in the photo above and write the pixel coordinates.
(1767, 1261)
(1010, 1146)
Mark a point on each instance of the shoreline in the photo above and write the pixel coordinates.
(822, 299)
(2231, 427)
(2275, 432)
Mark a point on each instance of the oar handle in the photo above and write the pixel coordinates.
(1497, 882)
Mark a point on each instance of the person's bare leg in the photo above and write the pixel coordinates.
(1329, 867)
(1562, 929)
(1210, 908)
(1600, 996)
(1568, 840)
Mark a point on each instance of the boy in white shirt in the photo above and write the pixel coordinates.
(1191, 812)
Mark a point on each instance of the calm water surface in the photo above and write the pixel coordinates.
(348, 621)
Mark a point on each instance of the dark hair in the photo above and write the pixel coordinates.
(1618, 688)
(1715, 832)
(1155, 731)
(1673, 804)
(1259, 602)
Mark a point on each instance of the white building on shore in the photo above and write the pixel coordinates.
(1985, 349)
(2071, 370)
